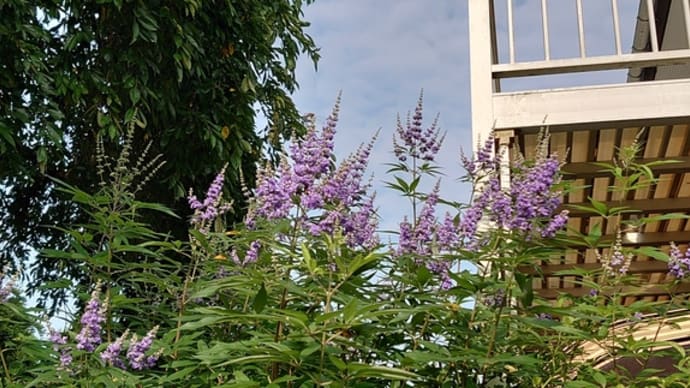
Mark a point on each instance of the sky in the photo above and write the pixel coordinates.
(382, 53)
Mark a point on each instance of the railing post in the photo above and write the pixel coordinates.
(481, 84)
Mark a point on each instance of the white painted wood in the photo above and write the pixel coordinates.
(653, 37)
(481, 82)
(606, 62)
(616, 26)
(655, 100)
(686, 20)
(545, 29)
(661, 330)
(511, 33)
(581, 28)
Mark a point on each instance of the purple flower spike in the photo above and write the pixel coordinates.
(678, 264)
(94, 315)
(525, 208)
(111, 355)
(406, 243)
(57, 338)
(447, 233)
(556, 224)
(360, 226)
(326, 197)
(412, 141)
(252, 253)
(616, 263)
(65, 359)
(136, 354)
(273, 194)
(235, 257)
(471, 217)
(213, 205)
(313, 155)
(484, 161)
(418, 240)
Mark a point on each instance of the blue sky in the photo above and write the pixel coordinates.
(382, 53)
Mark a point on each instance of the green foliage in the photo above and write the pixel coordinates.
(20, 350)
(189, 73)
(314, 311)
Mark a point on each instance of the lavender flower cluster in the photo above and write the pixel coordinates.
(212, 206)
(89, 337)
(425, 238)
(483, 161)
(616, 262)
(426, 234)
(326, 198)
(59, 341)
(495, 300)
(412, 141)
(678, 263)
(527, 207)
(250, 257)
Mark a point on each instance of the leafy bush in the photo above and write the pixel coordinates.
(304, 293)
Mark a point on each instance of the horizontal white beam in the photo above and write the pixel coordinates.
(653, 100)
(607, 62)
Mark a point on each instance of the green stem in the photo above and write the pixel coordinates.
(492, 341)
(183, 297)
(4, 366)
(275, 367)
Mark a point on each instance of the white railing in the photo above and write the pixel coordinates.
(619, 60)
(634, 102)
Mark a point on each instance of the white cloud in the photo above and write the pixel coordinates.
(381, 53)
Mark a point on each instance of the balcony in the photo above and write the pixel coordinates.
(588, 123)
(661, 57)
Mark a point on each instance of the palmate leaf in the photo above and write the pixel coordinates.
(157, 207)
(260, 299)
(357, 370)
(201, 317)
(362, 263)
(654, 252)
(180, 374)
(663, 217)
(246, 384)
(581, 384)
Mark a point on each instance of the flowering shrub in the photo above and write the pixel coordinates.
(89, 338)
(304, 293)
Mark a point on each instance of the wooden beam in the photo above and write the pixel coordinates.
(654, 239)
(635, 267)
(589, 170)
(666, 205)
(646, 290)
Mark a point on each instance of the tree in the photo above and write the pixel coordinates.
(190, 74)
